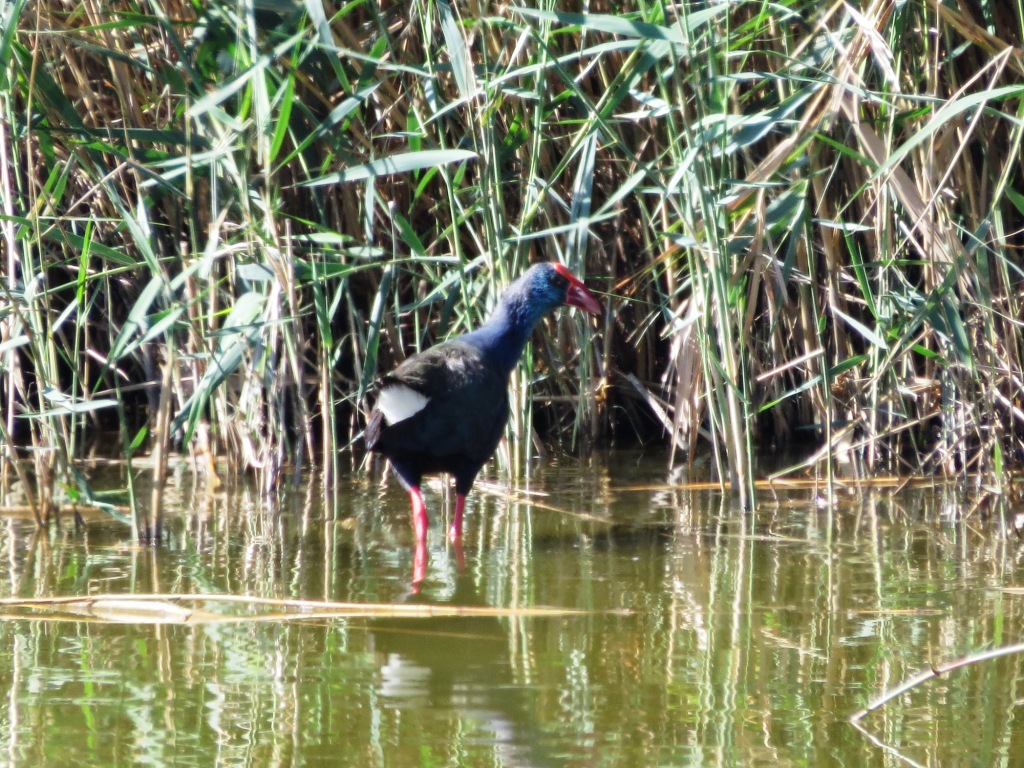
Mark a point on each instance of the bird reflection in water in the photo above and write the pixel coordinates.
(461, 664)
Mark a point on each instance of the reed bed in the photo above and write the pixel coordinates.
(221, 220)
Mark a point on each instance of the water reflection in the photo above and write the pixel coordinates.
(437, 664)
(708, 636)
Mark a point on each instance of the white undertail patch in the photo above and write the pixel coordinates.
(398, 402)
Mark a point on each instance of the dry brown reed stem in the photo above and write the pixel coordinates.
(81, 510)
(797, 483)
(165, 608)
(150, 531)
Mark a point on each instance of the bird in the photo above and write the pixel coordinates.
(444, 409)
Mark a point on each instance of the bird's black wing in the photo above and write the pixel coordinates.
(465, 413)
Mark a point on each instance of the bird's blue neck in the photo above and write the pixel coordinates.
(505, 334)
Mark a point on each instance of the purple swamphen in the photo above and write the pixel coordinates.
(444, 409)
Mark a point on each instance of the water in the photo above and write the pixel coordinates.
(703, 635)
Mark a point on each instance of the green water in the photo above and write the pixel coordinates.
(711, 636)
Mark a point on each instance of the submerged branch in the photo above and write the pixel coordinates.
(938, 671)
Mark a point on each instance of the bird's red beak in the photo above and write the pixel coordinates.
(577, 295)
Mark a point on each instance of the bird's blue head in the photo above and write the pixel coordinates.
(542, 289)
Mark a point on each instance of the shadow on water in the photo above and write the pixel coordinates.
(688, 632)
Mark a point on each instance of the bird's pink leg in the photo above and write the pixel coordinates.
(419, 566)
(460, 556)
(455, 532)
(419, 524)
(419, 515)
